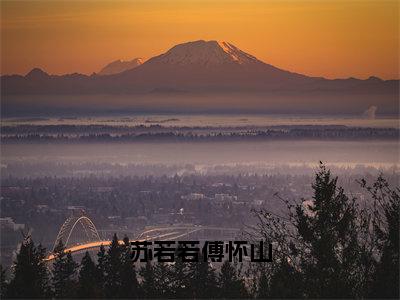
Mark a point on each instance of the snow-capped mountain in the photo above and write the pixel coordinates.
(119, 66)
(202, 65)
(205, 53)
(213, 68)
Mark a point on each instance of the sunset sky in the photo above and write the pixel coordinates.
(320, 38)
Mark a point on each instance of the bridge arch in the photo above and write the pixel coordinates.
(69, 225)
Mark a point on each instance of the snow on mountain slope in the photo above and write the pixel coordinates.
(206, 65)
(236, 54)
(205, 53)
(119, 66)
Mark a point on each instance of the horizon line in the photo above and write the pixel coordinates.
(94, 73)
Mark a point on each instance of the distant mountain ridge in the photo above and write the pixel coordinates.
(204, 67)
(193, 66)
(36, 73)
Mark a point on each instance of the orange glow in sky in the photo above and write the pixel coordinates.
(320, 38)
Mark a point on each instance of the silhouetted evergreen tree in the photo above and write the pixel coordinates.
(3, 283)
(179, 279)
(263, 286)
(113, 281)
(385, 281)
(230, 285)
(317, 244)
(148, 284)
(285, 282)
(30, 274)
(162, 273)
(328, 228)
(129, 282)
(101, 270)
(87, 279)
(202, 279)
(64, 273)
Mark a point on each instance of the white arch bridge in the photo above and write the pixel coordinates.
(93, 238)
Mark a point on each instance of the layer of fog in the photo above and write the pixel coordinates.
(203, 156)
(276, 102)
(368, 119)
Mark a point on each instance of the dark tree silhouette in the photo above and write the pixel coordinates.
(129, 282)
(179, 280)
(230, 285)
(64, 273)
(3, 283)
(328, 228)
(262, 286)
(385, 221)
(317, 243)
(101, 270)
(148, 284)
(162, 273)
(113, 281)
(87, 280)
(30, 275)
(285, 282)
(202, 279)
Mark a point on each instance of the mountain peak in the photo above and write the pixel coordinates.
(374, 78)
(36, 73)
(119, 66)
(206, 53)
